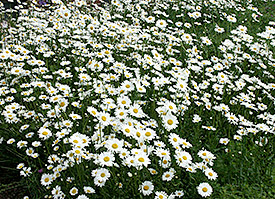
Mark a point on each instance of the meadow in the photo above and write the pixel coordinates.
(137, 99)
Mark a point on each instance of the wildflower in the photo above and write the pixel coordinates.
(237, 137)
(204, 189)
(20, 166)
(114, 145)
(179, 193)
(88, 189)
(75, 116)
(136, 111)
(44, 133)
(170, 122)
(231, 18)
(224, 141)
(210, 174)
(101, 174)
(167, 176)
(106, 159)
(161, 195)
(73, 191)
(146, 188)
(25, 171)
(196, 118)
(46, 179)
(183, 158)
(219, 29)
(82, 196)
(142, 159)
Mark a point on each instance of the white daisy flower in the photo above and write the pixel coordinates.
(204, 189)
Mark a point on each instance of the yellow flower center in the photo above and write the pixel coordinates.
(45, 133)
(62, 104)
(204, 189)
(104, 118)
(106, 159)
(77, 152)
(170, 122)
(141, 159)
(74, 191)
(148, 134)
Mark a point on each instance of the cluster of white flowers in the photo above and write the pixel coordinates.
(104, 92)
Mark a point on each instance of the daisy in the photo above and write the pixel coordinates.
(88, 189)
(26, 171)
(210, 174)
(101, 174)
(237, 137)
(20, 165)
(161, 195)
(127, 86)
(46, 179)
(146, 188)
(204, 154)
(185, 144)
(106, 159)
(224, 141)
(136, 111)
(74, 191)
(57, 191)
(231, 18)
(21, 144)
(149, 134)
(170, 122)
(44, 133)
(92, 111)
(142, 159)
(167, 176)
(179, 193)
(161, 23)
(196, 118)
(174, 139)
(82, 196)
(121, 113)
(183, 158)
(104, 118)
(114, 145)
(165, 162)
(150, 19)
(204, 189)
(99, 182)
(219, 29)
